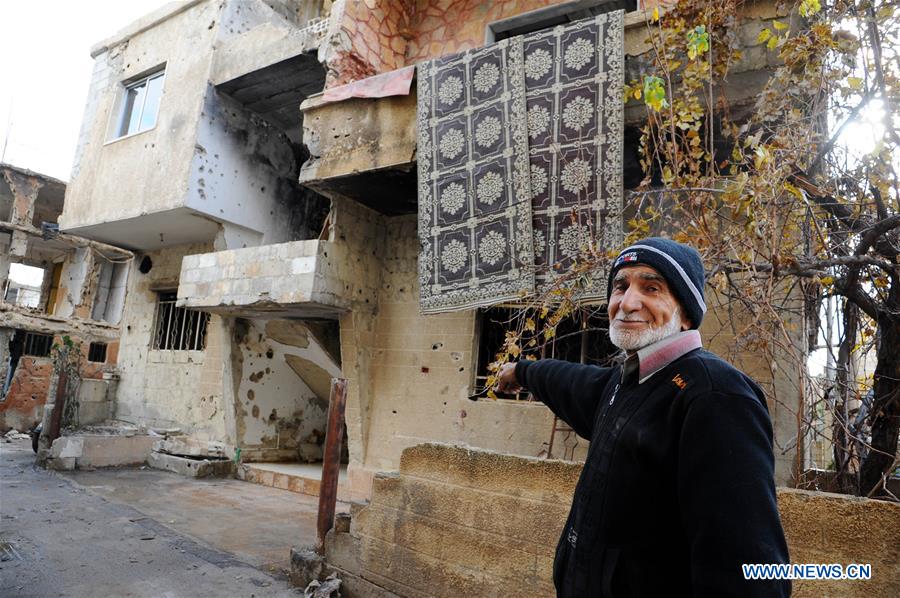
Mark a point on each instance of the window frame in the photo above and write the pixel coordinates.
(550, 16)
(95, 348)
(124, 115)
(199, 321)
(37, 339)
(603, 353)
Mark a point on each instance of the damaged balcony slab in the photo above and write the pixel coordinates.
(363, 149)
(301, 279)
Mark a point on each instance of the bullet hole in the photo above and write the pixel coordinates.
(394, 411)
(424, 370)
(273, 416)
(268, 370)
(255, 411)
(437, 346)
(251, 395)
(211, 25)
(263, 188)
(462, 414)
(445, 403)
(456, 356)
(462, 369)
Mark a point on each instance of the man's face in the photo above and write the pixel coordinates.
(642, 310)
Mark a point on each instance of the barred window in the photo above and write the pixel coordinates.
(97, 352)
(37, 345)
(580, 338)
(177, 328)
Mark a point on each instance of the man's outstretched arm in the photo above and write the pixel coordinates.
(571, 390)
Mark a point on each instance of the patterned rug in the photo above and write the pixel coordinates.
(520, 163)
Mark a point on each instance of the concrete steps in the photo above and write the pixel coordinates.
(302, 478)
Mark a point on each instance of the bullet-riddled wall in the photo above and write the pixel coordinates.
(169, 389)
(411, 375)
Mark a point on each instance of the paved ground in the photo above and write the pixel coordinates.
(143, 533)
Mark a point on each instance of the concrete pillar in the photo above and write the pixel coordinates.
(5, 335)
(4, 263)
(25, 191)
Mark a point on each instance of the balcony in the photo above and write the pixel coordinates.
(363, 149)
(302, 279)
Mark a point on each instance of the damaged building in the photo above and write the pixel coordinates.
(53, 287)
(263, 163)
(259, 158)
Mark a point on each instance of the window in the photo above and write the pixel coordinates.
(177, 328)
(140, 104)
(24, 285)
(97, 352)
(109, 297)
(37, 345)
(581, 338)
(550, 16)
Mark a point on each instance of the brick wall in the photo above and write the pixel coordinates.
(462, 522)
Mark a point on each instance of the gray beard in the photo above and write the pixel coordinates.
(634, 340)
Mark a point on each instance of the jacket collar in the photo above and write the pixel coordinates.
(652, 358)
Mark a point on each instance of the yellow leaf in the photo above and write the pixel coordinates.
(779, 25)
(492, 395)
(854, 82)
(529, 324)
(763, 36)
(637, 93)
(827, 280)
(655, 15)
(773, 41)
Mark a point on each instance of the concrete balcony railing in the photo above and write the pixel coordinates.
(301, 279)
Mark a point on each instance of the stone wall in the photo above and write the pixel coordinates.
(411, 375)
(461, 522)
(315, 273)
(183, 389)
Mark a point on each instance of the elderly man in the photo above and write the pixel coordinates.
(677, 491)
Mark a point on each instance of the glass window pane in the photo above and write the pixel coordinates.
(134, 99)
(151, 103)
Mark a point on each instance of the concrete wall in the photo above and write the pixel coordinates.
(278, 415)
(462, 522)
(146, 172)
(183, 389)
(411, 375)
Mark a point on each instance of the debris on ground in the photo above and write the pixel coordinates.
(330, 588)
(14, 434)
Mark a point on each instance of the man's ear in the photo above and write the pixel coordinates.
(685, 323)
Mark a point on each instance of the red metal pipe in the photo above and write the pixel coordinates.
(331, 460)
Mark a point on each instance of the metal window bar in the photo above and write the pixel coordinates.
(97, 352)
(177, 328)
(37, 345)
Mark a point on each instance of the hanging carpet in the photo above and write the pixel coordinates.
(520, 163)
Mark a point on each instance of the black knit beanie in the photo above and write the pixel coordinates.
(679, 264)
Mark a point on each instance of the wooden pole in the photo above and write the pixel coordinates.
(331, 460)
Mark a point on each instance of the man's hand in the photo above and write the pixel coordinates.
(506, 379)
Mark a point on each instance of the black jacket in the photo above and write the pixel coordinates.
(677, 490)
